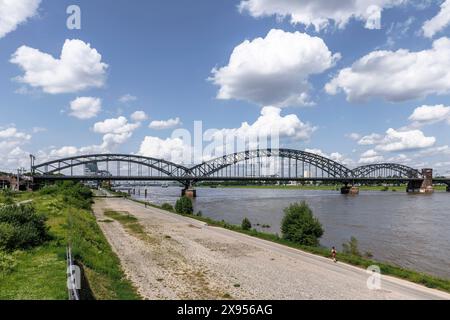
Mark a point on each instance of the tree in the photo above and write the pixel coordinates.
(184, 206)
(300, 226)
(351, 247)
(246, 224)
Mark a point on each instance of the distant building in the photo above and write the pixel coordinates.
(91, 169)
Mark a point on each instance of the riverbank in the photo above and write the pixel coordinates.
(184, 257)
(39, 273)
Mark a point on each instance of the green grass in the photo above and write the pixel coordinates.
(130, 223)
(386, 269)
(40, 273)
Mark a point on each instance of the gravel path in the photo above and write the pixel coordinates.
(182, 258)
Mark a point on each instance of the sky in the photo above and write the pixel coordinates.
(360, 82)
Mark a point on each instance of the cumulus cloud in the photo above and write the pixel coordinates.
(319, 13)
(116, 131)
(85, 107)
(139, 116)
(438, 22)
(274, 70)
(430, 114)
(165, 124)
(172, 149)
(15, 12)
(12, 155)
(271, 122)
(396, 75)
(370, 157)
(78, 68)
(371, 139)
(395, 141)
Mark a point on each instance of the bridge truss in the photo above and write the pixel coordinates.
(260, 164)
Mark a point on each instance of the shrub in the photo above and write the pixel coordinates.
(300, 226)
(21, 227)
(167, 206)
(351, 247)
(246, 224)
(184, 206)
(7, 262)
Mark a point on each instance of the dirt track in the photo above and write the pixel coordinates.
(182, 258)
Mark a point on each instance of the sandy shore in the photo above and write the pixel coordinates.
(181, 258)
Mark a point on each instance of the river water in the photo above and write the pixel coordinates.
(411, 231)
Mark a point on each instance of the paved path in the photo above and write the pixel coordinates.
(182, 258)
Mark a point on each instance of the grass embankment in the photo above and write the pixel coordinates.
(40, 272)
(386, 269)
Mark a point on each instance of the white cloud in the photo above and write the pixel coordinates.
(335, 156)
(13, 134)
(438, 22)
(401, 158)
(116, 131)
(272, 122)
(85, 107)
(442, 150)
(139, 116)
(274, 70)
(115, 125)
(11, 154)
(15, 12)
(404, 140)
(370, 157)
(127, 98)
(396, 76)
(165, 124)
(353, 136)
(430, 114)
(371, 139)
(319, 13)
(79, 67)
(64, 152)
(171, 149)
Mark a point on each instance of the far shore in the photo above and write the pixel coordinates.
(400, 188)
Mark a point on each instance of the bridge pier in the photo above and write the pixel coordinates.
(350, 190)
(425, 186)
(189, 190)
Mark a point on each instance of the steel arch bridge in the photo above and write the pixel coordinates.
(292, 165)
(296, 160)
(386, 170)
(163, 167)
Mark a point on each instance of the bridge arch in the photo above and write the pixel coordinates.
(56, 166)
(211, 167)
(386, 170)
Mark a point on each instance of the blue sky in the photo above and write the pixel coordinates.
(162, 53)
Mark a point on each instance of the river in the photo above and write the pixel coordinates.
(411, 231)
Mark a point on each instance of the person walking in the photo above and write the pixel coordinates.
(333, 254)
